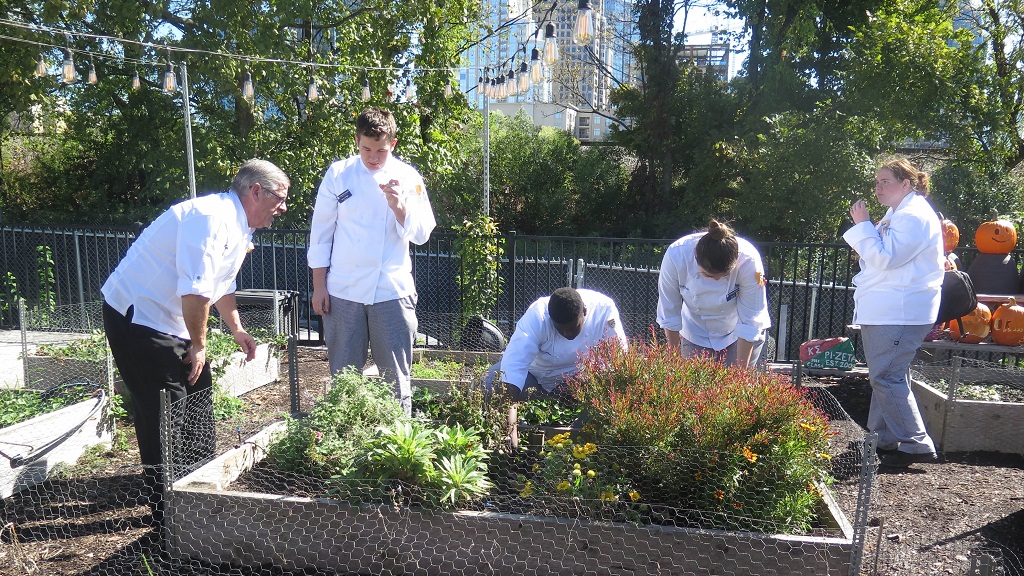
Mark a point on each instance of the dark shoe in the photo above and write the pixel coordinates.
(903, 459)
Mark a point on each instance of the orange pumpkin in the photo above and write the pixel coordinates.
(976, 326)
(996, 237)
(950, 235)
(1008, 324)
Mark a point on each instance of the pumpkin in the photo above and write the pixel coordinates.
(950, 235)
(996, 237)
(976, 326)
(1008, 324)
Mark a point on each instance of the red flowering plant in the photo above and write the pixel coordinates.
(706, 445)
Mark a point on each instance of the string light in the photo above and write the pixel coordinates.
(312, 94)
(247, 91)
(40, 67)
(524, 78)
(92, 73)
(536, 66)
(136, 82)
(448, 89)
(550, 45)
(366, 90)
(69, 75)
(170, 81)
(512, 85)
(583, 32)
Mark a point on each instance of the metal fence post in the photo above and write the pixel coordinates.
(23, 323)
(860, 516)
(81, 288)
(579, 279)
(166, 464)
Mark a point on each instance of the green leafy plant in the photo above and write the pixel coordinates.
(323, 443)
(92, 348)
(20, 405)
(416, 462)
(47, 283)
(467, 404)
(548, 411)
(437, 370)
(479, 249)
(9, 296)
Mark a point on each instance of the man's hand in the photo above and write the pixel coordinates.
(321, 301)
(246, 343)
(394, 198)
(196, 357)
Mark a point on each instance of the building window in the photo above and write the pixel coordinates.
(597, 120)
(597, 132)
(558, 114)
(584, 133)
(584, 121)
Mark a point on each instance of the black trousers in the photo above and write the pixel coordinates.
(150, 361)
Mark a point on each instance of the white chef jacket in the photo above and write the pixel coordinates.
(707, 312)
(195, 247)
(355, 234)
(901, 265)
(537, 348)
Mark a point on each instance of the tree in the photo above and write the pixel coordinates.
(134, 140)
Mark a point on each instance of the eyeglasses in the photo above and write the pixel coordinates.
(280, 199)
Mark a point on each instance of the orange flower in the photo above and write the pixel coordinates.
(749, 455)
(719, 494)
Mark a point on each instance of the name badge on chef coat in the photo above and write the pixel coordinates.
(344, 196)
(732, 294)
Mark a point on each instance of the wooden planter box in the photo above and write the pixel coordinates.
(240, 376)
(28, 440)
(211, 522)
(970, 425)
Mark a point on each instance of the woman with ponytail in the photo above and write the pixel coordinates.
(711, 296)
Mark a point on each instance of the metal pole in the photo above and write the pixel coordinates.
(81, 289)
(487, 155)
(187, 105)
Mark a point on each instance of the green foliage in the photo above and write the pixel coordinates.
(466, 404)
(9, 296)
(479, 249)
(323, 443)
(20, 405)
(427, 369)
(92, 348)
(414, 462)
(548, 411)
(47, 288)
(745, 445)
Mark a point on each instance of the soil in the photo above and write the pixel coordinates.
(928, 519)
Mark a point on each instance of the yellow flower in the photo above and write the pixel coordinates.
(536, 467)
(591, 474)
(579, 452)
(634, 495)
(719, 494)
(825, 455)
(807, 427)
(576, 466)
(562, 486)
(749, 455)
(608, 496)
(527, 490)
(577, 472)
(737, 505)
(697, 475)
(589, 448)
(558, 439)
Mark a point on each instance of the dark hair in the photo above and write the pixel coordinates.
(718, 249)
(377, 123)
(902, 169)
(565, 305)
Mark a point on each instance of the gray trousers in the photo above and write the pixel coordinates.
(893, 413)
(689, 349)
(388, 327)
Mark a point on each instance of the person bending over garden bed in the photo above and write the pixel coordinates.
(548, 341)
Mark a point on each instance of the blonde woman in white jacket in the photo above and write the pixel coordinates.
(897, 301)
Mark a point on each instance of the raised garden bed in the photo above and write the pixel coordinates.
(212, 522)
(34, 447)
(963, 425)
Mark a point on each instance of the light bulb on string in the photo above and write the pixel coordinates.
(40, 67)
(409, 91)
(481, 85)
(69, 74)
(136, 81)
(583, 31)
(366, 89)
(536, 66)
(448, 89)
(312, 94)
(524, 78)
(170, 81)
(550, 45)
(247, 90)
(513, 86)
(92, 73)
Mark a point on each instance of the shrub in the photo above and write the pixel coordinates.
(20, 405)
(738, 449)
(466, 404)
(324, 443)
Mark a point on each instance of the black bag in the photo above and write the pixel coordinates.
(958, 296)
